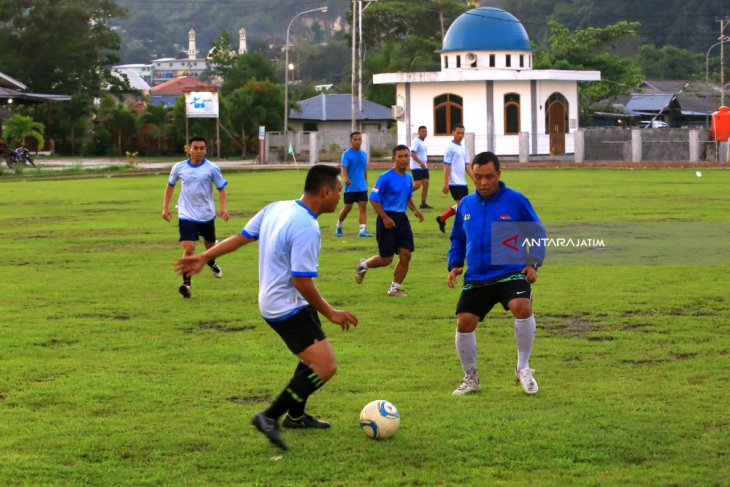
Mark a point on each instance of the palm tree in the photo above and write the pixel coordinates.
(20, 126)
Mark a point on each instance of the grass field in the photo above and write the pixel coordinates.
(109, 377)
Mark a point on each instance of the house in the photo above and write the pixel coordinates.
(334, 113)
(487, 83)
(679, 103)
(13, 92)
(171, 90)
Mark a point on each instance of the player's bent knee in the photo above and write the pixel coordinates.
(466, 323)
(521, 308)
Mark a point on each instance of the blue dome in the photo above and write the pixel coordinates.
(486, 29)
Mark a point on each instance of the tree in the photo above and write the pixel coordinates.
(590, 49)
(222, 57)
(670, 62)
(248, 66)
(402, 35)
(124, 122)
(19, 127)
(256, 103)
(63, 47)
(156, 118)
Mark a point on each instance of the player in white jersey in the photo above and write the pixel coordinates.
(456, 168)
(195, 206)
(419, 166)
(289, 246)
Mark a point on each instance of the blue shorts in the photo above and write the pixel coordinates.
(190, 230)
(419, 174)
(458, 193)
(355, 196)
(392, 239)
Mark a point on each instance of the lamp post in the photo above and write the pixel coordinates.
(286, 67)
(722, 40)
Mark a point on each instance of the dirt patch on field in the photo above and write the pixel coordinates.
(249, 400)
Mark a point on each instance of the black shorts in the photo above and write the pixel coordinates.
(480, 299)
(355, 196)
(458, 192)
(191, 230)
(419, 174)
(300, 330)
(390, 240)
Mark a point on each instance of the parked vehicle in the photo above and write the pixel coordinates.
(654, 124)
(21, 155)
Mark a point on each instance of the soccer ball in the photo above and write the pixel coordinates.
(379, 419)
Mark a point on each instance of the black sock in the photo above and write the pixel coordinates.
(186, 279)
(211, 264)
(296, 411)
(302, 384)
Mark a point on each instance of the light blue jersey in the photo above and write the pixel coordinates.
(393, 191)
(195, 202)
(289, 246)
(356, 162)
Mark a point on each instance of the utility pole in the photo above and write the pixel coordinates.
(724, 21)
(353, 31)
(359, 57)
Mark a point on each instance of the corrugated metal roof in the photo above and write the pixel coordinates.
(648, 102)
(329, 108)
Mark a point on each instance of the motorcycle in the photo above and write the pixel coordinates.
(21, 155)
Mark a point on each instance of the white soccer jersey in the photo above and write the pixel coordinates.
(289, 245)
(421, 149)
(196, 195)
(456, 157)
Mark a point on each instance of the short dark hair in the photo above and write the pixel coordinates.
(197, 138)
(485, 158)
(422, 127)
(320, 175)
(352, 134)
(457, 126)
(400, 147)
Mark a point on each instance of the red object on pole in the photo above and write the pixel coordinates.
(721, 124)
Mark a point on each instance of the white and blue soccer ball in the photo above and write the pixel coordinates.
(379, 419)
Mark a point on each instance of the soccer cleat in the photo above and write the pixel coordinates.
(360, 271)
(526, 380)
(469, 385)
(217, 271)
(305, 421)
(269, 428)
(425, 206)
(442, 224)
(364, 233)
(185, 290)
(397, 292)
(338, 232)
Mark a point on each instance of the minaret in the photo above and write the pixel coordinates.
(242, 41)
(192, 52)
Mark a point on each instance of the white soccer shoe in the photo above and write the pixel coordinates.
(469, 385)
(526, 380)
(360, 271)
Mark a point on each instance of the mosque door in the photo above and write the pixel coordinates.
(556, 126)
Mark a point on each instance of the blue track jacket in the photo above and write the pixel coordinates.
(496, 236)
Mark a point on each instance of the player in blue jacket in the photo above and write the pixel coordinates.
(500, 239)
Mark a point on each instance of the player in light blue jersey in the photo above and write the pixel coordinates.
(195, 206)
(391, 195)
(289, 245)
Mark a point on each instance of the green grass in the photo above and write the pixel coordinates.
(109, 377)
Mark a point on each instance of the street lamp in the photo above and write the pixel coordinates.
(722, 40)
(287, 68)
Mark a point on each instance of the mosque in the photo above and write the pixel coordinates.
(487, 84)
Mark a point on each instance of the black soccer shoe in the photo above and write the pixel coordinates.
(442, 224)
(185, 290)
(305, 421)
(269, 428)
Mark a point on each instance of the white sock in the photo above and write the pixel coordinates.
(362, 227)
(394, 285)
(339, 224)
(525, 337)
(466, 349)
